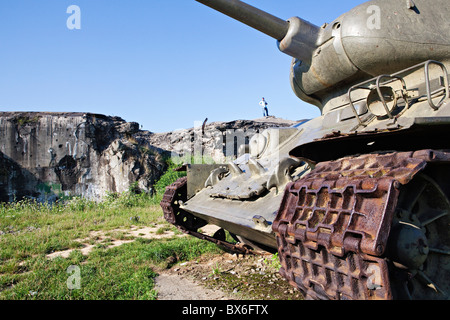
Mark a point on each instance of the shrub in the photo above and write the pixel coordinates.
(169, 177)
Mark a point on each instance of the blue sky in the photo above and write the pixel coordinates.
(162, 63)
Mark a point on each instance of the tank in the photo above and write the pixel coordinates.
(356, 201)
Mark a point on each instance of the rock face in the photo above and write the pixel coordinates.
(217, 142)
(51, 155)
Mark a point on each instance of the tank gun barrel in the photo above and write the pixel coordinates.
(295, 36)
(251, 16)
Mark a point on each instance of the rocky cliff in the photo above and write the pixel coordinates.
(49, 155)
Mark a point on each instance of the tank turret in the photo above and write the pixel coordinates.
(376, 37)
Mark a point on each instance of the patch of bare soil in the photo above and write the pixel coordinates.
(174, 287)
(109, 238)
(225, 277)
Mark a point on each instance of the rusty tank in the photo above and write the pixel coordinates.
(355, 201)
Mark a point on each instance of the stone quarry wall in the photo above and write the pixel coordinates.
(47, 156)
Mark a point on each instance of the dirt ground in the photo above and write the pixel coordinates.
(96, 237)
(225, 277)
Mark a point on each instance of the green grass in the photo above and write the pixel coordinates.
(29, 231)
(123, 272)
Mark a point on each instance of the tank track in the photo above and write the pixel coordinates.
(332, 226)
(188, 223)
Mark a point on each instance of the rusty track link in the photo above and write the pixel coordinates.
(332, 225)
(185, 221)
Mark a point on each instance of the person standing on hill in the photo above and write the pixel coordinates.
(263, 103)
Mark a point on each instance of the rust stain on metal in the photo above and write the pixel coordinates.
(332, 226)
